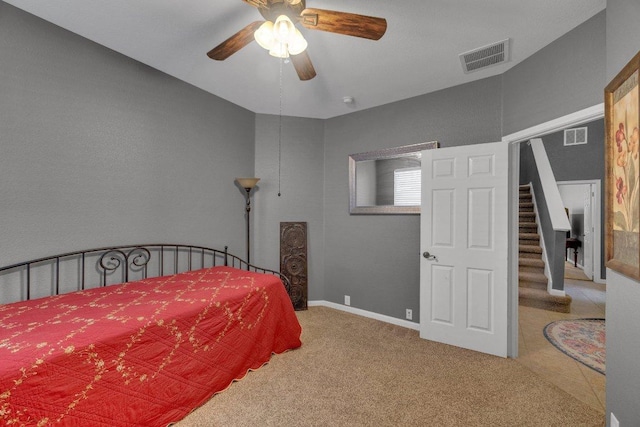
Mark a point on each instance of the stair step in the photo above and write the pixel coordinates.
(530, 255)
(528, 224)
(532, 249)
(537, 298)
(528, 242)
(531, 262)
(531, 229)
(528, 236)
(531, 265)
(522, 187)
(528, 269)
(532, 277)
(532, 285)
(524, 197)
(526, 206)
(531, 216)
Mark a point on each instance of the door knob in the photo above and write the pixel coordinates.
(428, 256)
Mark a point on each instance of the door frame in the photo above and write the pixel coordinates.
(574, 119)
(596, 200)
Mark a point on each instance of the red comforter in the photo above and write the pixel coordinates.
(139, 354)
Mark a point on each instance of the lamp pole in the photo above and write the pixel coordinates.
(248, 209)
(248, 184)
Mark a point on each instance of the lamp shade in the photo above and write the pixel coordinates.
(279, 50)
(247, 183)
(283, 29)
(264, 35)
(298, 44)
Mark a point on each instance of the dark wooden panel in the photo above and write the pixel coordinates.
(293, 260)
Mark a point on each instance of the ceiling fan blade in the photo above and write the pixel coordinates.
(304, 67)
(350, 24)
(235, 42)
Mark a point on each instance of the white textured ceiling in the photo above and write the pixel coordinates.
(417, 55)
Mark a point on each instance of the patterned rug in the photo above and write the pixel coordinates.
(581, 339)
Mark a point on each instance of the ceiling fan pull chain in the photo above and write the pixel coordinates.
(280, 133)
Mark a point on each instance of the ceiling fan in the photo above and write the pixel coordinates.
(279, 35)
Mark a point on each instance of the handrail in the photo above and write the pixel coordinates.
(557, 214)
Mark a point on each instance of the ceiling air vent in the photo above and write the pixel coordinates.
(484, 57)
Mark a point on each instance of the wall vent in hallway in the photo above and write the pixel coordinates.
(486, 56)
(575, 136)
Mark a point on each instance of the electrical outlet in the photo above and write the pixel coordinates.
(409, 314)
(614, 421)
(347, 300)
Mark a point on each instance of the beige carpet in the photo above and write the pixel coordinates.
(354, 371)
(574, 273)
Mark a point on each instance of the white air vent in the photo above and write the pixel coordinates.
(575, 136)
(486, 56)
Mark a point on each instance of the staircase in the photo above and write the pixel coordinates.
(532, 282)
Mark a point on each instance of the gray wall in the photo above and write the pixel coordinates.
(302, 191)
(375, 258)
(566, 76)
(97, 149)
(623, 294)
(577, 162)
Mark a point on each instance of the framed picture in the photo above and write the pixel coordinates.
(622, 182)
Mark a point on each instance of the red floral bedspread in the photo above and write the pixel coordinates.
(139, 354)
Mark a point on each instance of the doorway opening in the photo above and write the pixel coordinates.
(583, 201)
(527, 342)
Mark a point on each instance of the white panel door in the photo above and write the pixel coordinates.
(587, 238)
(464, 245)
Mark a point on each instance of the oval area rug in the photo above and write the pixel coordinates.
(580, 339)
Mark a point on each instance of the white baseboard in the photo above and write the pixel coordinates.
(365, 313)
(557, 293)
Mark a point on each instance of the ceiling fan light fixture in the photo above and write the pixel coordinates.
(280, 39)
(298, 44)
(283, 29)
(279, 50)
(264, 35)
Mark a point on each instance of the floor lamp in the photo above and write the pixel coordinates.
(248, 184)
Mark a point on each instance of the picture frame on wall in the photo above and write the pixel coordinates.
(622, 173)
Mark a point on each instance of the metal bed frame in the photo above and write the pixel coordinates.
(134, 258)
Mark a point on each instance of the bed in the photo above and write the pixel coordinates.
(136, 345)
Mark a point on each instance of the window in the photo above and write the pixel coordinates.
(406, 186)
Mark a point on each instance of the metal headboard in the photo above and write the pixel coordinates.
(125, 261)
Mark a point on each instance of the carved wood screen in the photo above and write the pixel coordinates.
(293, 260)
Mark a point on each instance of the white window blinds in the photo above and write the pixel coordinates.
(406, 186)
